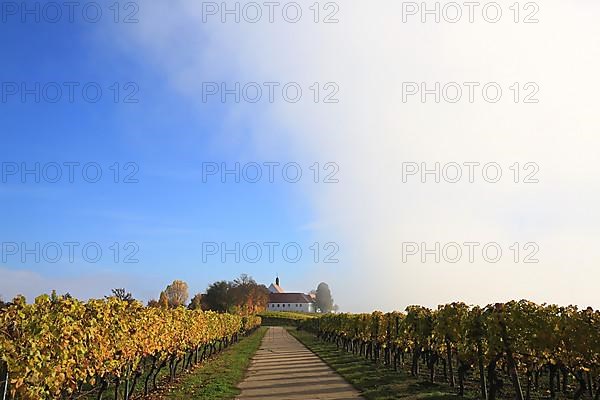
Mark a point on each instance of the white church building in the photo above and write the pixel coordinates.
(280, 300)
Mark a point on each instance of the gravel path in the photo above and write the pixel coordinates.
(283, 368)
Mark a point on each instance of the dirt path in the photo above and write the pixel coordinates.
(284, 369)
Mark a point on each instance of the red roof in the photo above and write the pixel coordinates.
(289, 298)
(276, 288)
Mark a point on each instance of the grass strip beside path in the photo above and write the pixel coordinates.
(217, 378)
(376, 382)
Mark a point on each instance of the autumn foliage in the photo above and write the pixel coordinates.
(56, 345)
(527, 342)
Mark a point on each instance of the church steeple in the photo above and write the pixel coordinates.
(274, 287)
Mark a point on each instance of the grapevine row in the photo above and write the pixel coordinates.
(521, 339)
(60, 347)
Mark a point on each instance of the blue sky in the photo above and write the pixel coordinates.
(365, 57)
(169, 212)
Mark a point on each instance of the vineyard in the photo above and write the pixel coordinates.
(284, 318)
(518, 350)
(62, 348)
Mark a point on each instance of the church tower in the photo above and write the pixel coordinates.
(275, 288)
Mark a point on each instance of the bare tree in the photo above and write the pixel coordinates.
(121, 294)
